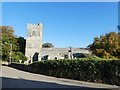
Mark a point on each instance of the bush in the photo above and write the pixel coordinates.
(102, 71)
(18, 56)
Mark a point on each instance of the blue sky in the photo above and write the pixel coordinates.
(65, 24)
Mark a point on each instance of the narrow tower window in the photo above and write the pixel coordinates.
(33, 33)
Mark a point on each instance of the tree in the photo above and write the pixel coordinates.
(18, 56)
(8, 38)
(21, 41)
(106, 46)
(47, 45)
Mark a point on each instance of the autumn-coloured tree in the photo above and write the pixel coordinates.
(106, 46)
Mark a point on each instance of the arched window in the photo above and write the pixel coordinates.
(33, 33)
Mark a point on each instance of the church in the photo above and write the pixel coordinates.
(35, 52)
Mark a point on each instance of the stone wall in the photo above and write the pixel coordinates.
(33, 41)
(60, 53)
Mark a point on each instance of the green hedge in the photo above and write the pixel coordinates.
(101, 71)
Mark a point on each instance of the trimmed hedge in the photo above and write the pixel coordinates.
(100, 71)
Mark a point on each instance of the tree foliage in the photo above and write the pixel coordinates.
(8, 38)
(99, 71)
(106, 46)
(47, 45)
(22, 42)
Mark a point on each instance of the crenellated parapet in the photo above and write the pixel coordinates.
(34, 30)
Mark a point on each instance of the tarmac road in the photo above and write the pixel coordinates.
(13, 78)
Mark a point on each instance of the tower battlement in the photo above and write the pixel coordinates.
(29, 24)
(34, 30)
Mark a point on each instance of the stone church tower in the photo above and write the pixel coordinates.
(33, 41)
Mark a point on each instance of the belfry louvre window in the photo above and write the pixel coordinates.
(33, 33)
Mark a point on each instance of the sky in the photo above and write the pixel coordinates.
(65, 24)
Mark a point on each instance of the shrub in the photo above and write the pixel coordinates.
(102, 71)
